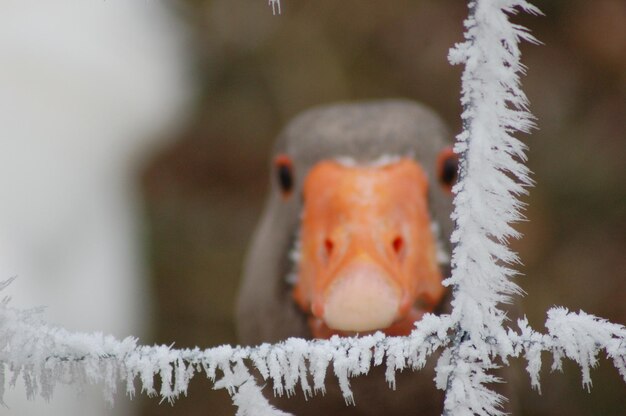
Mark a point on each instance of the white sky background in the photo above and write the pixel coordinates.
(88, 89)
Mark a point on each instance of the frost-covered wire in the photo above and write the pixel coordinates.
(578, 336)
(492, 177)
(275, 5)
(492, 172)
(44, 356)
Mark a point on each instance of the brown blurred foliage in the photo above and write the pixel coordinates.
(204, 194)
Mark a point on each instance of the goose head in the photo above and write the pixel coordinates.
(354, 234)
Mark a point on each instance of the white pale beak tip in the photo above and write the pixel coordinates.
(363, 299)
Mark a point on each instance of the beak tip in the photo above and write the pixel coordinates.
(362, 299)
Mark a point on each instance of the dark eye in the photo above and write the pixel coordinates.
(448, 168)
(284, 173)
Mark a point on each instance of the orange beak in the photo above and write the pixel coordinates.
(368, 257)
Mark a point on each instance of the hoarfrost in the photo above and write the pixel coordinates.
(44, 356)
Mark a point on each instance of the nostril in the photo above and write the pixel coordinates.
(329, 247)
(398, 245)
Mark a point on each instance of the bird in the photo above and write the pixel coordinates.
(353, 239)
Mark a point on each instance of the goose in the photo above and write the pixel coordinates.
(353, 239)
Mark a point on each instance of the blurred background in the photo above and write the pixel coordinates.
(175, 120)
